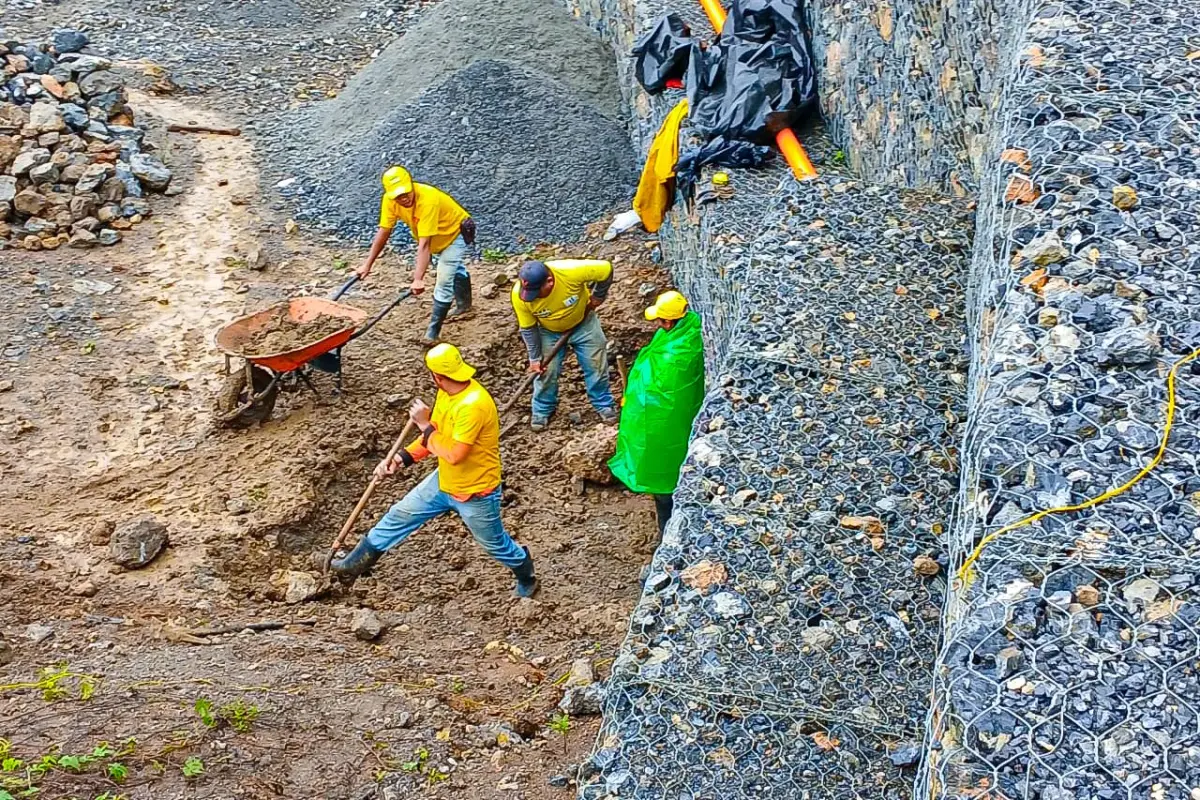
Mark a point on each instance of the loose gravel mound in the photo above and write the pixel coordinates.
(513, 110)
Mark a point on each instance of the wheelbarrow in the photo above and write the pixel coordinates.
(248, 393)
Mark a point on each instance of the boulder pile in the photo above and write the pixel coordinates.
(74, 169)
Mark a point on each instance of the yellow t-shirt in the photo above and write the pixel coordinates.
(434, 214)
(469, 417)
(566, 305)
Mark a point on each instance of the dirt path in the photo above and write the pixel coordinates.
(109, 417)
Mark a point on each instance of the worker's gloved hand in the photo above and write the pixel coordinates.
(386, 467)
(537, 367)
(594, 302)
(419, 413)
(363, 271)
(417, 286)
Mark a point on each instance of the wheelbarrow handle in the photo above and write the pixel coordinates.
(400, 298)
(345, 287)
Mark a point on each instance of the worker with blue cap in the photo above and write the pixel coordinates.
(553, 299)
(463, 432)
(441, 228)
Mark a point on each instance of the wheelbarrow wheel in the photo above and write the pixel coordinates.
(234, 395)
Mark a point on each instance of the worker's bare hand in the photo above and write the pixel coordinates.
(417, 286)
(537, 367)
(594, 302)
(419, 413)
(386, 467)
(363, 271)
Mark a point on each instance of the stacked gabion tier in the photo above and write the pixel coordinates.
(785, 638)
(1069, 669)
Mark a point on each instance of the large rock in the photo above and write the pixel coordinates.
(44, 117)
(92, 178)
(44, 173)
(583, 701)
(10, 146)
(75, 116)
(153, 174)
(8, 189)
(69, 40)
(299, 586)
(12, 118)
(81, 64)
(102, 81)
(1130, 346)
(587, 457)
(135, 543)
(29, 202)
(29, 159)
(1045, 250)
(366, 625)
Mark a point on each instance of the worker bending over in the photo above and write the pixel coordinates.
(463, 431)
(662, 397)
(441, 228)
(553, 299)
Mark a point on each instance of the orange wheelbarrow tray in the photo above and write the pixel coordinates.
(234, 337)
(250, 395)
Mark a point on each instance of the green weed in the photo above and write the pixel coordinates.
(193, 767)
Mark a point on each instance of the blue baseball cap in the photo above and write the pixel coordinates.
(533, 277)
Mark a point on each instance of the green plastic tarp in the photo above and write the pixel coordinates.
(662, 397)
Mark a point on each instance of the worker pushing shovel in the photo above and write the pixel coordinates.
(556, 299)
(463, 431)
(442, 228)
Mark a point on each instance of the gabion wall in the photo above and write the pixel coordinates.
(1069, 664)
(797, 612)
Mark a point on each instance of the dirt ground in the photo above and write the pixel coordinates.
(106, 413)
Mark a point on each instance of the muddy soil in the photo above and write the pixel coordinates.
(283, 333)
(109, 376)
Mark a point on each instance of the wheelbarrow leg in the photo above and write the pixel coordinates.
(303, 373)
(337, 376)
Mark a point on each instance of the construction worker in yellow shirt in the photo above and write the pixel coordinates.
(440, 227)
(463, 431)
(557, 298)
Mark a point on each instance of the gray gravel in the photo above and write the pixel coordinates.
(512, 110)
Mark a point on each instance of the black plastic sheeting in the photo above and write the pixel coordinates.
(719, 152)
(662, 53)
(754, 80)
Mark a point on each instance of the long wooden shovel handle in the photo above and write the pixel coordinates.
(362, 501)
(559, 345)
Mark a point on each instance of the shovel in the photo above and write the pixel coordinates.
(362, 502)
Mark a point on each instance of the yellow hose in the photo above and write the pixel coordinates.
(964, 573)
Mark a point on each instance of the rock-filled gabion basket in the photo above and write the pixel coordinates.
(786, 635)
(74, 167)
(1069, 664)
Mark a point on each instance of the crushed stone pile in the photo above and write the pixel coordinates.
(74, 168)
(514, 109)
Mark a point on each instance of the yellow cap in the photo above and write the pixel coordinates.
(447, 361)
(669, 305)
(720, 178)
(396, 181)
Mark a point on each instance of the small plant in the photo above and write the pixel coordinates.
(420, 756)
(458, 686)
(494, 255)
(839, 158)
(203, 707)
(239, 715)
(257, 493)
(193, 767)
(340, 263)
(117, 771)
(561, 724)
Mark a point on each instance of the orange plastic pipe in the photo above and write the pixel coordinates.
(785, 140)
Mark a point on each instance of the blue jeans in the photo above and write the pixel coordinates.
(591, 351)
(450, 262)
(428, 502)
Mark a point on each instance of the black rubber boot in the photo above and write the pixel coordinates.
(664, 504)
(358, 562)
(527, 583)
(462, 296)
(435, 323)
